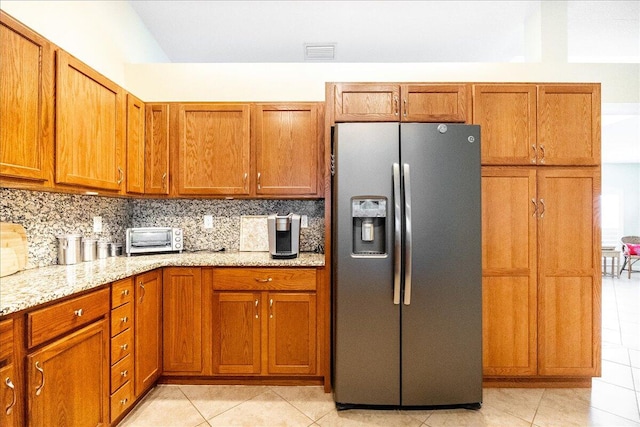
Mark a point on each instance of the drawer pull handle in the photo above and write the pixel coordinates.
(13, 400)
(125, 292)
(256, 309)
(142, 291)
(124, 319)
(79, 312)
(271, 308)
(120, 175)
(124, 346)
(40, 387)
(267, 280)
(124, 401)
(124, 373)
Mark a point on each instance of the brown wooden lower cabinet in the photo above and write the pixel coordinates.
(11, 393)
(148, 330)
(68, 380)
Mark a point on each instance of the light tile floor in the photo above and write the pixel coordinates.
(613, 400)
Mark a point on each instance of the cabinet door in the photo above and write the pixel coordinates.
(89, 126)
(569, 272)
(287, 140)
(148, 330)
(182, 320)
(156, 148)
(135, 145)
(435, 103)
(8, 396)
(509, 260)
(213, 149)
(507, 116)
(236, 332)
(292, 333)
(367, 102)
(26, 103)
(68, 380)
(569, 124)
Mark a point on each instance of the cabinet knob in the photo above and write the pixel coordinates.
(124, 319)
(79, 312)
(124, 401)
(124, 346)
(124, 373)
(125, 292)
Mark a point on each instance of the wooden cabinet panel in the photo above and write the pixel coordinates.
(49, 322)
(366, 102)
(509, 260)
(90, 112)
(121, 400)
(121, 318)
(213, 149)
(135, 145)
(121, 372)
(156, 168)
(148, 330)
(121, 292)
(122, 345)
(68, 380)
(182, 320)
(257, 279)
(26, 103)
(506, 114)
(292, 333)
(287, 140)
(569, 271)
(11, 394)
(236, 332)
(569, 124)
(435, 102)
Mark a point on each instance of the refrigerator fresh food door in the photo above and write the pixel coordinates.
(442, 314)
(366, 320)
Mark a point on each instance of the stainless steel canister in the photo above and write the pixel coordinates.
(115, 249)
(88, 249)
(103, 250)
(69, 249)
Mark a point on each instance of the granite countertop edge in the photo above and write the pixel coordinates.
(30, 288)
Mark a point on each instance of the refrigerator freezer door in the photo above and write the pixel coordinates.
(441, 328)
(366, 320)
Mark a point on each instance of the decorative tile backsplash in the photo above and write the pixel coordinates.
(46, 215)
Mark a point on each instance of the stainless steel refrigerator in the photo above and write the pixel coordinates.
(407, 265)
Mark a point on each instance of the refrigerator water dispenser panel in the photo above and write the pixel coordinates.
(369, 226)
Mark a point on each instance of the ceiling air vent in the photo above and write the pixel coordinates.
(319, 51)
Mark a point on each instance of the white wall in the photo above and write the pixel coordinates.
(109, 36)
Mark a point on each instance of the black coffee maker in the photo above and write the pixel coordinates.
(284, 235)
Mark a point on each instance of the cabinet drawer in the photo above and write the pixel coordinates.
(121, 292)
(121, 319)
(6, 341)
(121, 345)
(269, 279)
(49, 322)
(121, 372)
(121, 400)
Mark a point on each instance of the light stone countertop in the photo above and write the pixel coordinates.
(30, 288)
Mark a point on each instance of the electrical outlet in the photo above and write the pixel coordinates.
(208, 221)
(97, 224)
(304, 221)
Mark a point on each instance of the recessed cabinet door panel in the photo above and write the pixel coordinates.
(236, 332)
(507, 116)
(26, 102)
(214, 149)
(156, 168)
(89, 127)
(68, 380)
(292, 333)
(287, 141)
(569, 272)
(569, 124)
(509, 263)
(366, 102)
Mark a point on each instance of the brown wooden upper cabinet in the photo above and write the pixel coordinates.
(90, 116)
(569, 124)
(156, 148)
(373, 102)
(213, 149)
(527, 124)
(26, 103)
(135, 145)
(287, 138)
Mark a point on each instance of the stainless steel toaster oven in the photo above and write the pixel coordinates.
(142, 240)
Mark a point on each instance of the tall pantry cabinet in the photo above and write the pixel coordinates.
(541, 237)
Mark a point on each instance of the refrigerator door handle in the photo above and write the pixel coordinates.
(407, 229)
(397, 235)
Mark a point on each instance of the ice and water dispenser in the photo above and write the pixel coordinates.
(369, 226)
